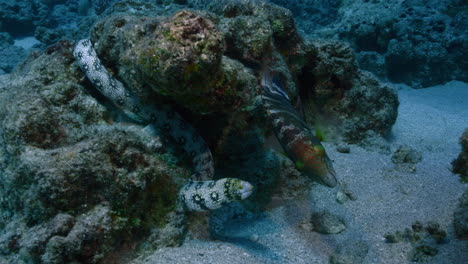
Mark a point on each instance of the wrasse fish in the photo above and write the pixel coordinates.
(292, 132)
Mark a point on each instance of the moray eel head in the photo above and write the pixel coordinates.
(236, 189)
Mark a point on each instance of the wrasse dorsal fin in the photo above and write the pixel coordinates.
(276, 87)
(271, 82)
(276, 81)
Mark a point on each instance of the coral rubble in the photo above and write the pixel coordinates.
(424, 240)
(70, 178)
(406, 154)
(327, 223)
(418, 42)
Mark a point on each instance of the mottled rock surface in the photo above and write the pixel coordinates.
(402, 41)
(37, 17)
(460, 165)
(343, 101)
(10, 55)
(74, 186)
(180, 58)
(418, 42)
(74, 171)
(337, 97)
(424, 240)
(327, 223)
(460, 221)
(406, 154)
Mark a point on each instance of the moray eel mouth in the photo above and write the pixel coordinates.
(246, 190)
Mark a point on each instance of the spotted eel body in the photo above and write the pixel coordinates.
(293, 133)
(200, 193)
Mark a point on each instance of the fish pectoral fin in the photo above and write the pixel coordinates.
(299, 164)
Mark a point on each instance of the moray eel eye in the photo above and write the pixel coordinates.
(238, 189)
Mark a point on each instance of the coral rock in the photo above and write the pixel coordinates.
(460, 221)
(406, 154)
(57, 143)
(347, 102)
(180, 58)
(460, 165)
(327, 223)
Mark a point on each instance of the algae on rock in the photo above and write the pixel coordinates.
(68, 176)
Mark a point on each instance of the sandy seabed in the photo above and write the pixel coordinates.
(431, 121)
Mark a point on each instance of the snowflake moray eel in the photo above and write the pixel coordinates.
(200, 193)
(292, 132)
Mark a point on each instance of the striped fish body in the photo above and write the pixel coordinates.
(295, 137)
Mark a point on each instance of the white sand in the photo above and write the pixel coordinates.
(430, 120)
(26, 42)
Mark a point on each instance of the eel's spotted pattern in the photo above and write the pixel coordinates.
(292, 132)
(200, 193)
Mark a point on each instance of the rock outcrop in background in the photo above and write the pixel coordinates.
(420, 43)
(417, 42)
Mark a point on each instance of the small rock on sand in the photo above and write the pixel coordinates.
(327, 223)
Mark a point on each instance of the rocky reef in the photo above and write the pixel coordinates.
(417, 42)
(460, 222)
(420, 43)
(337, 98)
(74, 184)
(44, 21)
(204, 73)
(80, 183)
(10, 54)
(460, 164)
